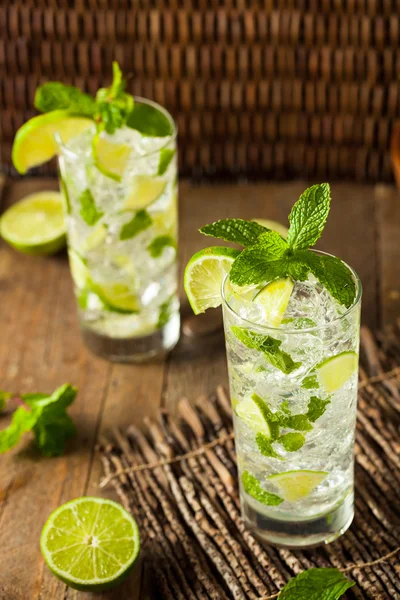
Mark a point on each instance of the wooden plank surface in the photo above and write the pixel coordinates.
(41, 348)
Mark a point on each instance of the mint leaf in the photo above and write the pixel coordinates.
(262, 262)
(269, 346)
(271, 418)
(113, 104)
(165, 312)
(88, 210)
(308, 216)
(244, 233)
(44, 415)
(265, 446)
(298, 422)
(166, 155)
(252, 486)
(285, 407)
(299, 322)
(292, 441)
(316, 408)
(316, 584)
(58, 96)
(157, 245)
(149, 121)
(310, 382)
(334, 275)
(138, 223)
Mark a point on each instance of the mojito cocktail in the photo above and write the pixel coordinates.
(291, 319)
(118, 176)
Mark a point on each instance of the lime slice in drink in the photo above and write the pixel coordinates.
(333, 372)
(90, 543)
(95, 238)
(35, 143)
(274, 225)
(204, 274)
(36, 224)
(254, 413)
(111, 159)
(144, 191)
(295, 485)
(79, 270)
(274, 299)
(118, 297)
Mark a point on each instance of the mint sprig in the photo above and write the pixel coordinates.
(316, 584)
(238, 231)
(58, 96)
(308, 217)
(113, 104)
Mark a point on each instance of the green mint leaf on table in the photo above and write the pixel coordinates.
(308, 216)
(334, 275)
(149, 121)
(113, 104)
(269, 346)
(310, 382)
(298, 422)
(316, 584)
(138, 223)
(166, 155)
(252, 486)
(265, 446)
(292, 441)
(58, 96)
(46, 417)
(239, 231)
(316, 408)
(157, 245)
(88, 211)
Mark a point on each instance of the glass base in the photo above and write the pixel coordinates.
(322, 529)
(134, 349)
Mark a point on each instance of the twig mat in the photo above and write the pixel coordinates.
(178, 478)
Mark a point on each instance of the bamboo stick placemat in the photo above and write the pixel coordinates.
(178, 478)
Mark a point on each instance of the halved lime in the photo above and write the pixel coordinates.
(274, 299)
(204, 274)
(144, 191)
(36, 224)
(333, 372)
(252, 412)
(79, 270)
(35, 144)
(110, 158)
(295, 485)
(118, 297)
(274, 225)
(90, 543)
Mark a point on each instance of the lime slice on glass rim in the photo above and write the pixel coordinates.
(110, 158)
(274, 225)
(90, 543)
(274, 299)
(204, 274)
(295, 485)
(35, 142)
(253, 412)
(36, 224)
(333, 372)
(145, 190)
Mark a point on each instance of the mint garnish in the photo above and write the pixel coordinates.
(157, 245)
(265, 446)
(138, 223)
(316, 408)
(321, 584)
(58, 96)
(308, 217)
(44, 415)
(239, 231)
(252, 486)
(113, 104)
(166, 155)
(269, 346)
(292, 441)
(88, 211)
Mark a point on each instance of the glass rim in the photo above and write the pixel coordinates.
(168, 138)
(281, 330)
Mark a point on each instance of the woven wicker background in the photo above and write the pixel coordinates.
(273, 88)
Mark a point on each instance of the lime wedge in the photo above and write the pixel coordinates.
(36, 224)
(35, 143)
(255, 414)
(111, 159)
(274, 225)
(295, 485)
(144, 191)
(204, 274)
(79, 270)
(333, 372)
(274, 299)
(90, 543)
(118, 297)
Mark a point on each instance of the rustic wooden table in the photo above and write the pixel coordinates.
(41, 348)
